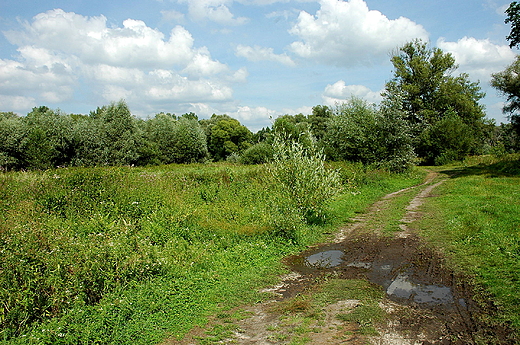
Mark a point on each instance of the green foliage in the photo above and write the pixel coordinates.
(300, 173)
(12, 132)
(448, 140)
(360, 132)
(120, 135)
(87, 136)
(189, 141)
(177, 140)
(47, 139)
(507, 83)
(513, 17)
(424, 90)
(259, 153)
(121, 255)
(225, 136)
(295, 128)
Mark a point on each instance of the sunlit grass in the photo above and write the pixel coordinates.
(137, 255)
(476, 220)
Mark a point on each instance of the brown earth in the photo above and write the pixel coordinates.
(425, 302)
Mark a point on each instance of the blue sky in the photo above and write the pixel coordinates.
(251, 59)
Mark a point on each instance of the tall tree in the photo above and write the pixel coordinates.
(225, 136)
(425, 90)
(513, 17)
(507, 83)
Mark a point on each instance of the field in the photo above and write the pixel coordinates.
(138, 255)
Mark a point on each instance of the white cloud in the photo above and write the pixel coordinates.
(133, 45)
(347, 33)
(255, 118)
(173, 16)
(17, 103)
(478, 58)
(258, 53)
(213, 10)
(339, 92)
(305, 110)
(58, 49)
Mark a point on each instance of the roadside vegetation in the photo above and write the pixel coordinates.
(475, 221)
(119, 230)
(136, 255)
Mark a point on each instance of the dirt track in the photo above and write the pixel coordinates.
(424, 303)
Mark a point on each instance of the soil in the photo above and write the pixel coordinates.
(425, 302)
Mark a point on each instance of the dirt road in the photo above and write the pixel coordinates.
(388, 289)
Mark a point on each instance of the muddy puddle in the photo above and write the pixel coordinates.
(411, 275)
(409, 279)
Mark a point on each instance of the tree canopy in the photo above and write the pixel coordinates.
(425, 91)
(513, 17)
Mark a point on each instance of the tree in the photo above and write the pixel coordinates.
(513, 17)
(318, 120)
(11, 136)
(507, 83)
(48, 140)
(121, 137)
(225, 136)
(360, 132)
(424, 89)
(449, 139)
(188, 141)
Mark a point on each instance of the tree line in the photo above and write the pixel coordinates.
(427, 115)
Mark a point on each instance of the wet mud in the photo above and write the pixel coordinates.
(430, 304)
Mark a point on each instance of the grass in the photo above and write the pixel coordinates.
(475, 219)
(137, 255)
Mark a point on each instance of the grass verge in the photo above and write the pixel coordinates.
(475, 219)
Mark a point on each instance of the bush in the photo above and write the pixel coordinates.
(259, 153)
(301, 174)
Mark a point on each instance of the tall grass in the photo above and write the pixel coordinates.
(135, 255)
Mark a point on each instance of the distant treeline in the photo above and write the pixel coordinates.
(427, 115)
(354, 131)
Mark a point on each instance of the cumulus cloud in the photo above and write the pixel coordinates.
(478, 58)
(347, 33)
(17, 103)
(258, 53)
(339, 92)
(133, 45)
(57, 49)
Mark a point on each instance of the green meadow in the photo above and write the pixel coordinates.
(125, 255)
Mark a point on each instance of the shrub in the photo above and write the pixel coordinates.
(257, 154)
(301, 174)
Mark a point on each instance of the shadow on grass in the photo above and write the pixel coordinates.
(504, 168)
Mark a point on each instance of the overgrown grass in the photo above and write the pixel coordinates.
(137, 255)
(476, 220)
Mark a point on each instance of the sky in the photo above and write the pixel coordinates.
(251, 59)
